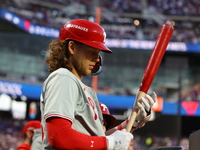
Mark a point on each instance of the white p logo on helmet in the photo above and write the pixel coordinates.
(104, 34)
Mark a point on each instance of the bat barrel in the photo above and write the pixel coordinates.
(156, 56)
(152, 67)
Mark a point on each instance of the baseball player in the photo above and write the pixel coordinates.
(28, 132)
(37, 140)
(108, 119)
(71, 117)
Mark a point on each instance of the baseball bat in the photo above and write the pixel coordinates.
(152, 67)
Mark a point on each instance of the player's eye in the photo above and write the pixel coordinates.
(105, 124)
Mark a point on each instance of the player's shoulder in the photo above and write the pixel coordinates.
(59, 73)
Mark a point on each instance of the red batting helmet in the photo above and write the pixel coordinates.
(86, 32)
(110, 119)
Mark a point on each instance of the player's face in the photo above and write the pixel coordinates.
(104, 128)
(84, 59)
(104, 125)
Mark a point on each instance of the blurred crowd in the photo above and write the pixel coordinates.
(151, 142)
(178, 7)
(54, 13)
(10, 134)
(11, 137)
(193, 94)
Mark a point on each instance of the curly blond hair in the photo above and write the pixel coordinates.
(58, 55)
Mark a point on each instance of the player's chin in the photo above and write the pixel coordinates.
(87, 73)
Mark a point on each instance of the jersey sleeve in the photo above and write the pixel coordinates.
(62, 136)
(60, 97)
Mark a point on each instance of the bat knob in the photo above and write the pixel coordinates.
(172, 23)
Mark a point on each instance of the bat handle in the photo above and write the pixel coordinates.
(134, 112)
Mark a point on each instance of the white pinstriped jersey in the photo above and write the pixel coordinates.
(64, 95)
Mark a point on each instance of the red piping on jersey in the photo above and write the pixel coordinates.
(58, 115)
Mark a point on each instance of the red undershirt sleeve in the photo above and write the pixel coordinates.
(62, 136)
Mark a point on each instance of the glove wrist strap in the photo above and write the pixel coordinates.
(110, 143)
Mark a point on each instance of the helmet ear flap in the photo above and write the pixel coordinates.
(98, 67)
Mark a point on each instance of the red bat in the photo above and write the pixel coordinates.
(152, 66)
(156, 56)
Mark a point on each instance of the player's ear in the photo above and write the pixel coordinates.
(71, 47)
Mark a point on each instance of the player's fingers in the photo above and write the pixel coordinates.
(151, 99)
(142, 109)
(145, 103)
(154, 96)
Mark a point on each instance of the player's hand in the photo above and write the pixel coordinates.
(144, 113)
(144, 106)
(119, 140)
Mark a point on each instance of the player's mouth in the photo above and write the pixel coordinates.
(91, 66)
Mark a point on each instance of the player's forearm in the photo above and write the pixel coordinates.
(62, 136)
(119, 127)
(110, 131)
